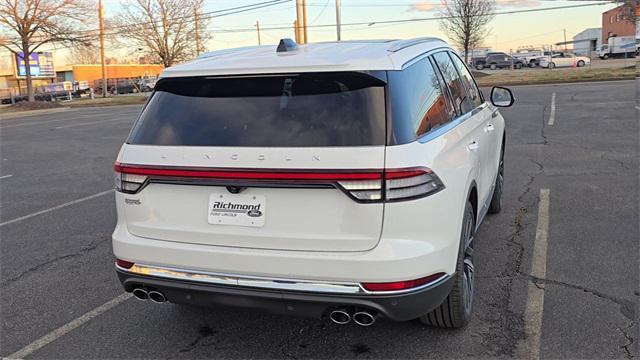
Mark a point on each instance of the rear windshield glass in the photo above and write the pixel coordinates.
(298, 110)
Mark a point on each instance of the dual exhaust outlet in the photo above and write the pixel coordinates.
(147, 294)
(362, 317)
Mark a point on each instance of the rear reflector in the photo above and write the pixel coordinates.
(124, 264)
(402, 285)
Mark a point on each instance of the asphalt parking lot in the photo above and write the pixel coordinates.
(558, 269)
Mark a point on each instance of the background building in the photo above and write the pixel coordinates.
(615, 23)
(587, 41)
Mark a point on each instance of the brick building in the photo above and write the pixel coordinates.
(616, 22)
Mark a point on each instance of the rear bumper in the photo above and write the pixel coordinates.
(398, 307)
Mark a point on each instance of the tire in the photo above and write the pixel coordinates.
(605, 56)
(496, 200)
(580, 63)
(518, 66)
(532, 64)
(480, 66)
(493, 66)
(552, 65)
(455, 310)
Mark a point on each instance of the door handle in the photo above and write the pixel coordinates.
(473, 146)
(489, 127)
(494, 113)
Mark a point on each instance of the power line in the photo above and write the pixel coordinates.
(401, 21)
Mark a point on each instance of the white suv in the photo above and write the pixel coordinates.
(341, 180)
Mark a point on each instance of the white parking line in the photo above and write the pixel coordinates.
(90, 123)
(64, 329)
(535, 295)
(5, 176)
(552, 115)
(55, 208)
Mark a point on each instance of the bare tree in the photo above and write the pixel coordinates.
(165, 29)
(29, 24)
(466, 22)
(84, 54)
(629, 9)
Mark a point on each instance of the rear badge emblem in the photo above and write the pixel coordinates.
(132, 201)
(254, 213)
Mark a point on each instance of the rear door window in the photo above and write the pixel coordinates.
(475, 95)
(293, 110)
(462, 98)
(418, 101)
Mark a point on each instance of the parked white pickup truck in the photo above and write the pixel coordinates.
(530, 57)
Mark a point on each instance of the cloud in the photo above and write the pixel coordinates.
(432, 5)
(424, 6)
(518, 3)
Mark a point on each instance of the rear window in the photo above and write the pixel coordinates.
(296, 110)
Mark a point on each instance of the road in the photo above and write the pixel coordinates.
(557, 270)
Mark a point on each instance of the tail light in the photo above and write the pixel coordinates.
(362, 186)
(127, 183)
(399, 185)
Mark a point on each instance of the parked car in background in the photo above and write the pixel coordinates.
(564, 60)
(479, 62)
(500, 61)
(147, 84)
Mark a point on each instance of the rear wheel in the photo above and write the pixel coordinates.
(518, 66)
(496, 200)
(493, 66)
(480, 66)
(580, 63)
(552, 65)
(455, 310)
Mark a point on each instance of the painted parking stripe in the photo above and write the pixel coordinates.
(552, 115)
(535, 294)
(55, 208)
(5, 176)
(66, 328)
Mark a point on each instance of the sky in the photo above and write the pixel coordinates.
(508, 31)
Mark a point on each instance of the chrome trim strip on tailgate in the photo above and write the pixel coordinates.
(266, 283)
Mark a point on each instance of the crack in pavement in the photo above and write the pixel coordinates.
(83, 250)
(627, 347)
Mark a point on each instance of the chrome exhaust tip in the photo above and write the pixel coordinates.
(140, 294)
(157, 297)
(340, 316)
(364, 318)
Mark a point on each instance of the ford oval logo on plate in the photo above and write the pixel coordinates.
(254, 213)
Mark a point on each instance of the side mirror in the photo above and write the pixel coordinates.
(501, 97)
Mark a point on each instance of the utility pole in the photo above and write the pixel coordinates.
(197, 30)
(304, 21)
(338, 18)
(258, 29)
(565, 39)
(295, 31)
(299, 22)
(102, 56)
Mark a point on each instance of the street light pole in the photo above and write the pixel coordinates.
(102, 55)
(338, 19)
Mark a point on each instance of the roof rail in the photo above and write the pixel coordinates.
(402, 44)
